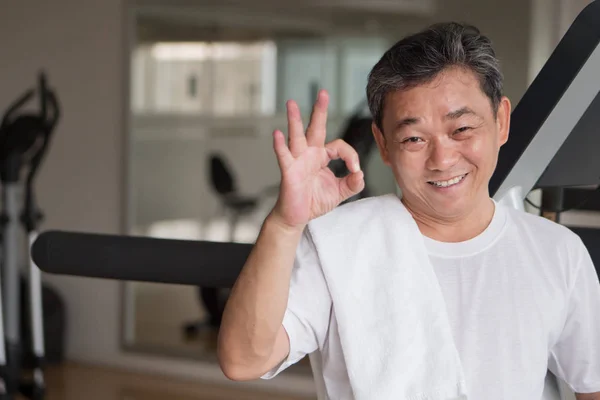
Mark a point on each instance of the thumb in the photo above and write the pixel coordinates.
(352, 184)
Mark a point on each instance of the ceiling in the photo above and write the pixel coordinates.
(159, 20)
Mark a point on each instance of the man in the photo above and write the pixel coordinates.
(521, 292)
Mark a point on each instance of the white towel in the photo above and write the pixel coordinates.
(391, 315)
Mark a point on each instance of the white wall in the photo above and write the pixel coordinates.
(568, 11)
(81, 44)
(79, 187)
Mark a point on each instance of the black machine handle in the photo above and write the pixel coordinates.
(19, 133)
(19, 103)
(24, 140)
(47, 98)
(186, 262)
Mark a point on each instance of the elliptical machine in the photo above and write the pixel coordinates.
(24, 140)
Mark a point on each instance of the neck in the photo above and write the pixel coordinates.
(458, 228)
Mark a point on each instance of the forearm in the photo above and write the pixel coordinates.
(257, 303)
(587, 396)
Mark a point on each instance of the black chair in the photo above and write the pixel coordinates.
(223, 182)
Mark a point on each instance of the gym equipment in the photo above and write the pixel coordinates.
(553, 143)
(553, 139)
(144, 259)
(24, 140)
(54, 318)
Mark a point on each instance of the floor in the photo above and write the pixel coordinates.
(76, 382)
(161, 314)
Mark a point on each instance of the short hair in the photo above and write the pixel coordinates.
(420, 57)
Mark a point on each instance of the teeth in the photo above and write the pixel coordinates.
(451, 182)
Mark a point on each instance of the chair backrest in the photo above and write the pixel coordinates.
(221, 176)
(357, 133)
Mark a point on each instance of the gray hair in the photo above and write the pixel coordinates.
(420, 57)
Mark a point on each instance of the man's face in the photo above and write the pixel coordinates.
(441, 140)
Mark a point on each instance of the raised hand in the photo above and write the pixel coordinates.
(308, 187)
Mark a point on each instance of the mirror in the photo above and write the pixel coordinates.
(208, 85)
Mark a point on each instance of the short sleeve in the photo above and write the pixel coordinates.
(575, 357)
(308, 311)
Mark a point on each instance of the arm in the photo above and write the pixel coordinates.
(252, 339)
(575, 356)
(587, 396)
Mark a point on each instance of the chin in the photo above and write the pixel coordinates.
(451, 202)
(435, 207)
(448, 204)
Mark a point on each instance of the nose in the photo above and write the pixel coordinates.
(443, 155)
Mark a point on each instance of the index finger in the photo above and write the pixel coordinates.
(341, 149)
(296, 136)
(316, 132)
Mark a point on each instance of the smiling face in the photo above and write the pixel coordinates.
(441, 140)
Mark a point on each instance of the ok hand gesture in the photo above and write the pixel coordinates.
(308, 187)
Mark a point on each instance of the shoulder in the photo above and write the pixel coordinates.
(356, 214)
(357, 211)
(546, 248)
(542, 228)
(550, 239)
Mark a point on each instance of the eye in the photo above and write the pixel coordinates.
(413, 139)
(462, 129)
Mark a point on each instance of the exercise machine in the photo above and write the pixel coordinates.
(24, 140)
(554, 140)
(555, 136)
(555, 127)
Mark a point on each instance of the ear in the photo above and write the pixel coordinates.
(381, 143)
(503, 120)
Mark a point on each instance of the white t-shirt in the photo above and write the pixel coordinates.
(523, 298)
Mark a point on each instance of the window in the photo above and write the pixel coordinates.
(215, 79)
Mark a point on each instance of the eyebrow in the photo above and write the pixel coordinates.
(451, 115)
(406, 121)
(460, 112)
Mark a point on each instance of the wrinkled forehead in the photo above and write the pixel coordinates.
(435, 99)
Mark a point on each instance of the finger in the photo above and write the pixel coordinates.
(351, 185)
(340, 149)
(297, 138)
(317, 128)
(284, 157)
